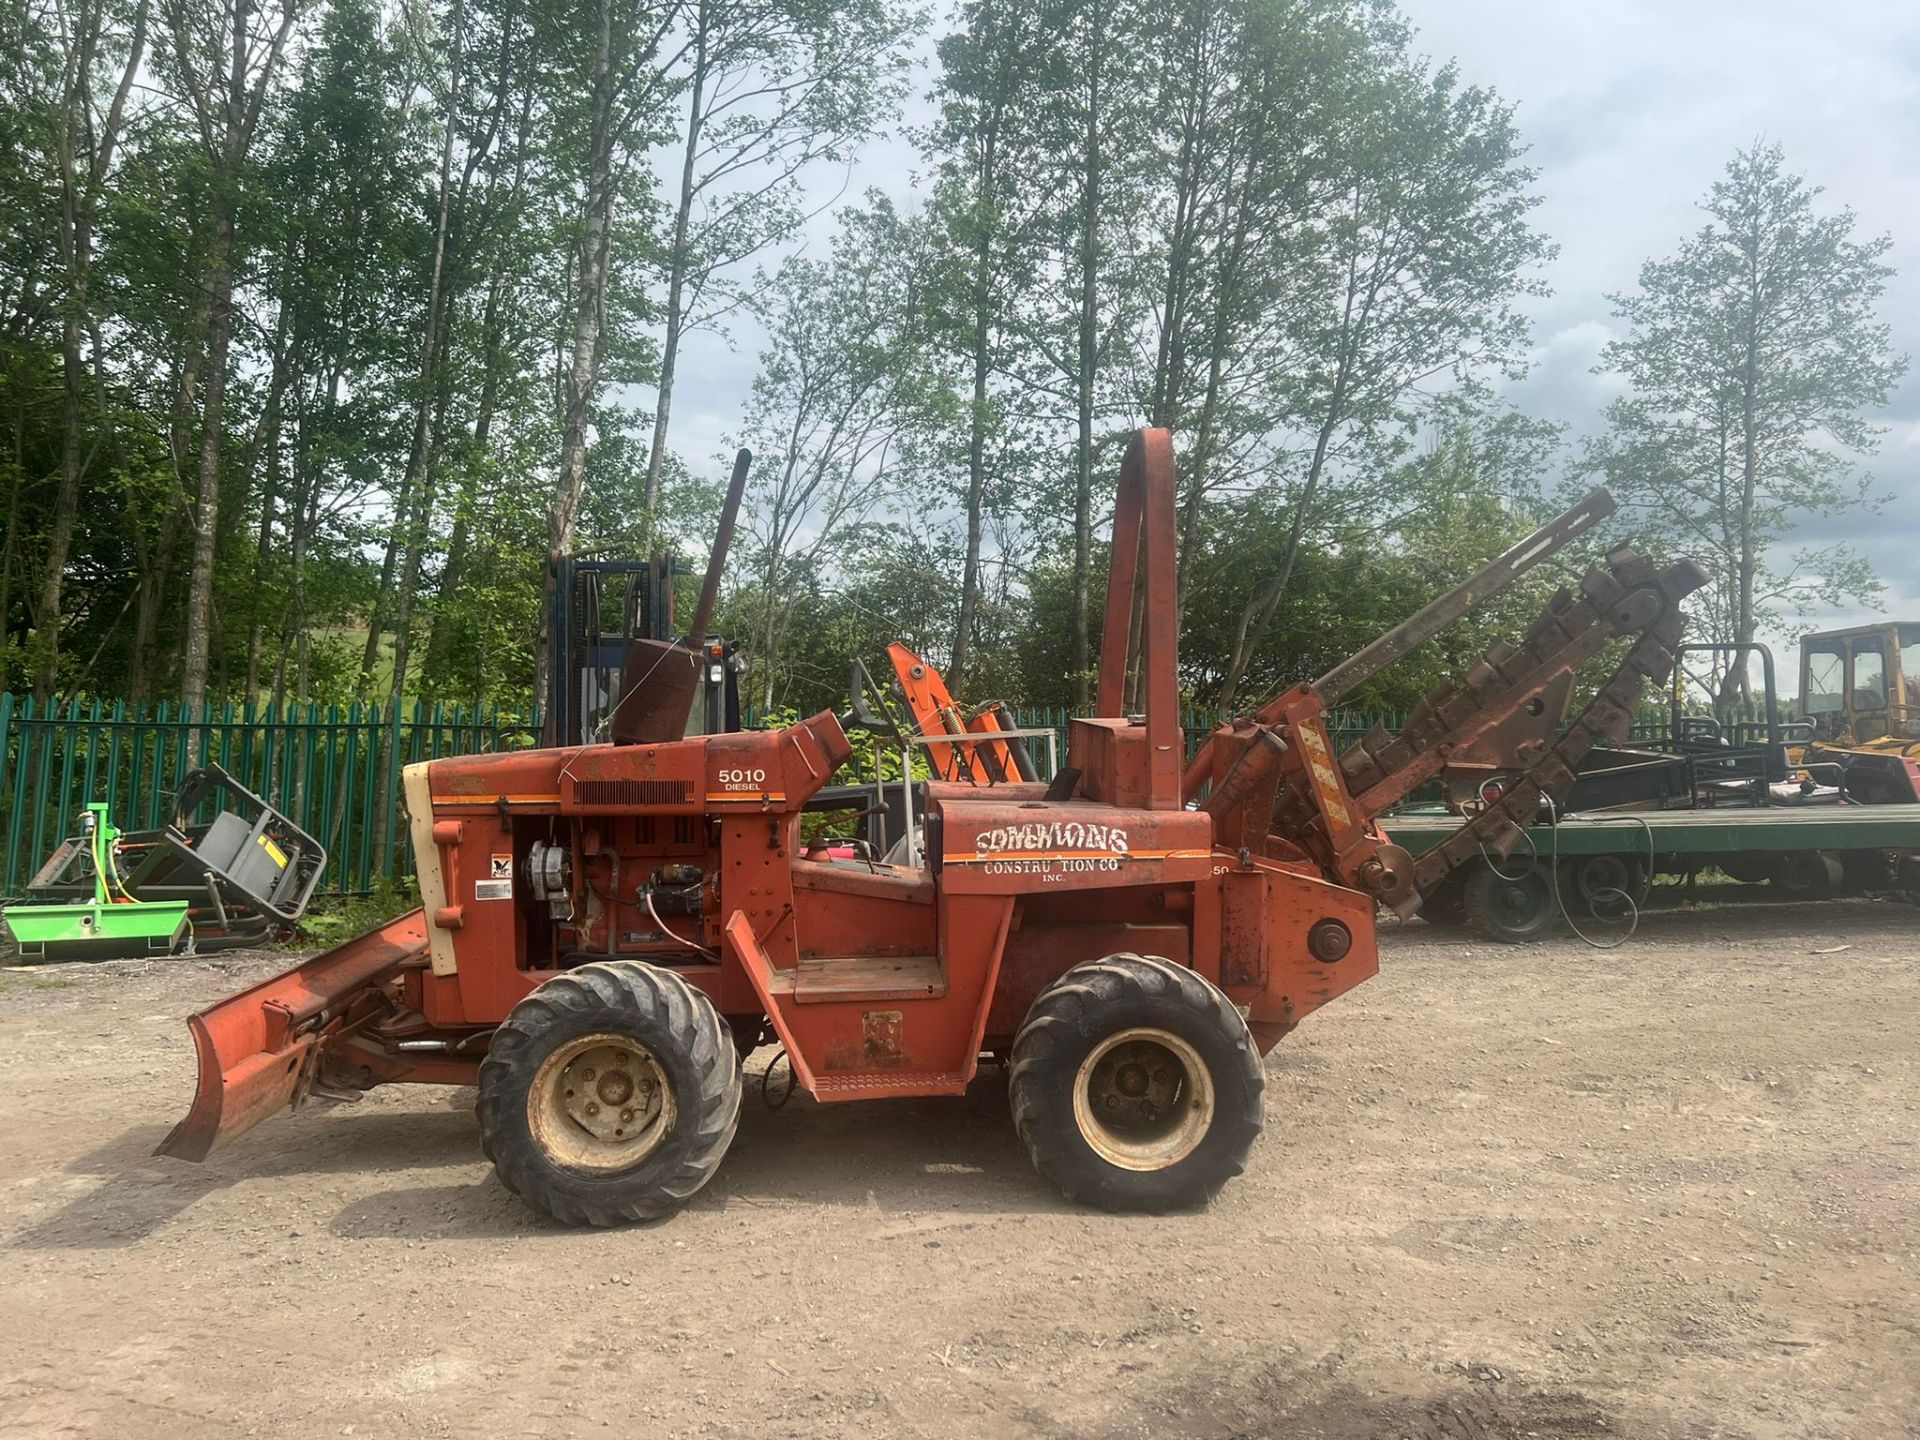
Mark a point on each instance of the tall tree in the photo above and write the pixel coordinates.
(616, 86)
(834, 414)
(985, 207)
(774, 88)
(1754, 356)
(1094, 99)
(225, 58)
(1427, 247)
(100, 50)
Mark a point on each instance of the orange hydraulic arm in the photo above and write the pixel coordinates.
(982, 761)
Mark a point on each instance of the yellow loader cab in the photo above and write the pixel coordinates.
(1856, 690)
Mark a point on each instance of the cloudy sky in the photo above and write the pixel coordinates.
(1632, 108)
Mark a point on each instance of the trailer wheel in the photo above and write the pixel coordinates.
(1446, 905)
(1603, 885)
(609, 1094)
(1511, 902)
(1136, 1085)
(1806, 875)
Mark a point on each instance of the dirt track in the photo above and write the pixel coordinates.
(1672, 1190)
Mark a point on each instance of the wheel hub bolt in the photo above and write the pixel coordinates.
(626, 1116)
(593, 1107)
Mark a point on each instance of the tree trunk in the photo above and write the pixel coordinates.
(1220, 340)
(267, 435)
(1252, 629)
(582, 374)
(412, 528)
(206, 520)
(453, 573)
(1177, 289)
(977, 414)
(79, 194)
(678, 264)
(976, 490)
(1089, 336)
(66, 504)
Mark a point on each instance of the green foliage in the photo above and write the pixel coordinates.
(335, 919)
(1271, 225)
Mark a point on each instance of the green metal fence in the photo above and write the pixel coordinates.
(333, 769)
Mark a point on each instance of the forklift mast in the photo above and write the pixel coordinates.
(595, 610)
(619, 668)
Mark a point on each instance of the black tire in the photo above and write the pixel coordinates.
(680, 1073)
(1446, 906)
(1511, 902)
(1599, 886)
(1865, 871)
(1806, 875)
(1194, 1056)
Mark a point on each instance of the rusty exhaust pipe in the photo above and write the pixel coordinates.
(661, 678)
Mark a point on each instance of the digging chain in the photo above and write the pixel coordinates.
(1629, 595)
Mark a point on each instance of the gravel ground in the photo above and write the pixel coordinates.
(1666, 1190)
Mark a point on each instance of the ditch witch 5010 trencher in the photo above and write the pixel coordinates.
(607, 929)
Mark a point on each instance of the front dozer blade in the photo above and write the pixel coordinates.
(258, 1050)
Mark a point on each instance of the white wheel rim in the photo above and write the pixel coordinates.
(1143, 1099)
(601, 1103)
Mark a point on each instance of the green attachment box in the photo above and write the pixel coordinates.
(100, 928)
(55, 932)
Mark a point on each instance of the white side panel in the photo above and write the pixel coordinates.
(427, 864)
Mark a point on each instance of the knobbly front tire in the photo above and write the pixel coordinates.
(1136, 1085)
(609, 1094)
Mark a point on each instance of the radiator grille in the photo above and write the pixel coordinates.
(627, 794)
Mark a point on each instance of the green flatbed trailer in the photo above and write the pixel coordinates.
(1591, 865)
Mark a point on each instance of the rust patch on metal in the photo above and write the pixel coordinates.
(884, 1033)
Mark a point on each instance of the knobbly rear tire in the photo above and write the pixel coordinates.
(1083, 1038)
(546, 1156)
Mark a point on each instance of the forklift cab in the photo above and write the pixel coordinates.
(596, 610)
(1854, 688)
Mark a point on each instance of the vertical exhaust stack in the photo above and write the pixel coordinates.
(662, 677)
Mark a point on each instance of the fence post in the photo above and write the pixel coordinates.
(323, 811)
(93, 757)
(115, 721)
(368, 773)
(18, 809)
(43, 777)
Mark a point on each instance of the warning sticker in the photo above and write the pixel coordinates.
(493, 889)
(502, 867)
